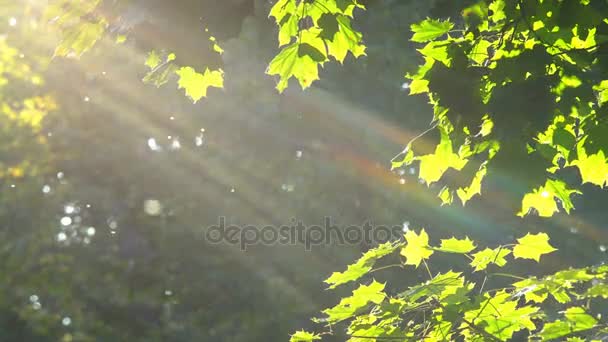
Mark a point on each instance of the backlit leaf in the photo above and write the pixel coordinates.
(289, 64)
(417, 248)
(532, 246)
(543, 199)
(361, 297)
(304, 336)
(576, 319)
(196, 84)
(153, 60)
(593, 168)
(433, 166)
(501, 316)
(454, 245)
(362, 266)
(482, 259)
(430, 29)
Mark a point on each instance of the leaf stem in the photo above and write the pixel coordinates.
(428, 269)
(385, 267)
(506, 275)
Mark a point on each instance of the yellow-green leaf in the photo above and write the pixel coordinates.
(532, 246)
(419, 87)
(361, 297)
(430, 29)
(593, 168)
(433, 166)
(482, 259)
(544, 198)
(576, 320)
(417, 248)
(289, 63)
(304, 336)
(153, 60)
(196, 84)
(78, 39)
(345, 40)
(466, 193)
(362, 266)
(455, 245)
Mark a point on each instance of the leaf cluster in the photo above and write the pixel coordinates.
(457, 306)
(520, 86)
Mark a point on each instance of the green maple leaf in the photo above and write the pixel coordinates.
(344, 40)
(430, 29)
(540, 200)
(362, 266)
(532, 246)
(330, 33)
(304, 336)
(480, 51)
(417, 248)
(501, 316)
(438, 51)
(482, 259)
(419, 87)
(442, 285)
(532, 289)
(598, 290)
(576, 320)
(433, 166)
(593, 168)
(454, 245)
(361, 297)
(466, 193)
(196, 84)
(300, 60)
(543, 199)
(286, 16)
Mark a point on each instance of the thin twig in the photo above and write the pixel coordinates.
(428, 269)
(506, 275)
(385, 267)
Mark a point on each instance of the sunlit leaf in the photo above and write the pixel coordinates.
(304, 336)
(433, 166)
(417, 248)
(419, 87)
(502, 315)
(345, 40)
(543, 199)
(465, 194)
(454, 245)
(430, 29)
(196, 84)
(362, 266)
(361, 297)
(532, 246)
(576, 319)
(593, 168)
(289, 64)
(77, 40)
(482, 259)
(441, 286)
(437, 51)
(328, 33)
(153, 60)
(597, 290)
